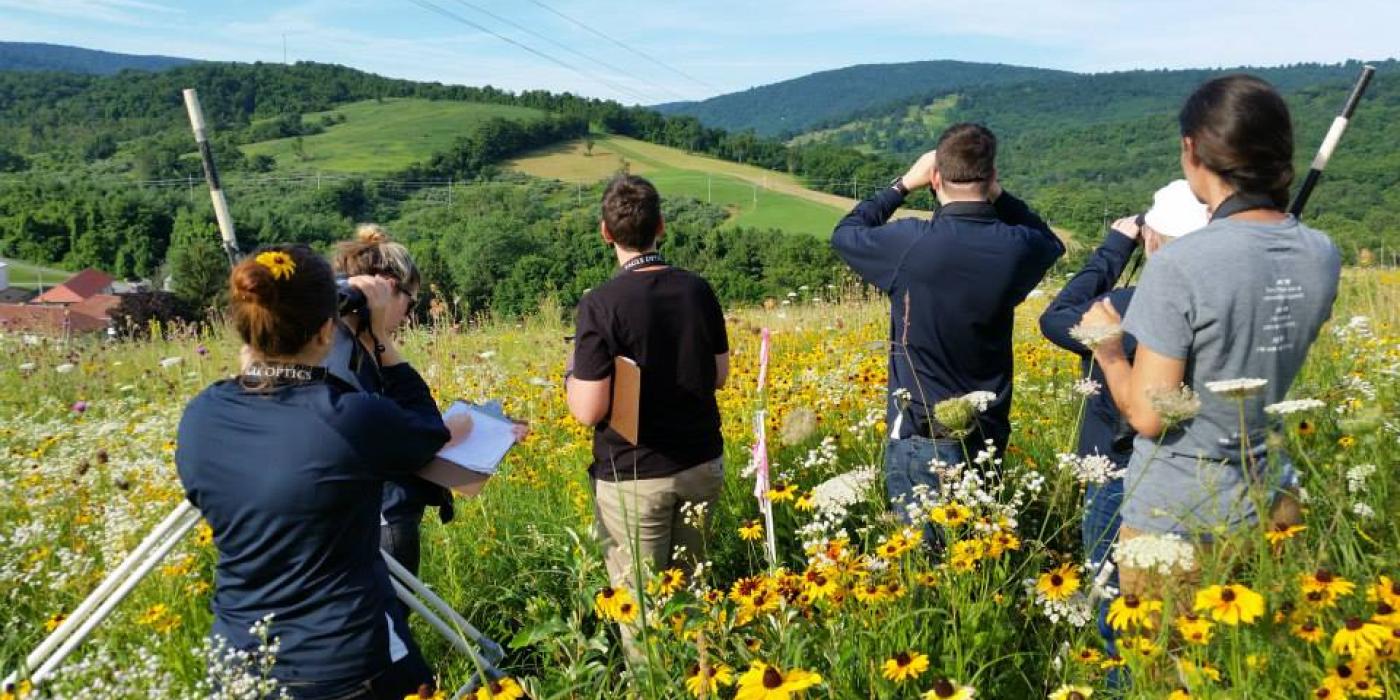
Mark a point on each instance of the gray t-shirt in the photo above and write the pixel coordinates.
(1236, 300)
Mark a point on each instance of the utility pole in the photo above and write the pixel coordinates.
(284, 48)
(709, 190)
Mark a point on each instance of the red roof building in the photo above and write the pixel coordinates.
(77, 288)
(37, 318)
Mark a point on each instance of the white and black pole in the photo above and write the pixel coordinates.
(1329, 143)
(211, 176)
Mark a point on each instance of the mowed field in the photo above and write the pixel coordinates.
(755, 196)
(384, 136)
(23, 274)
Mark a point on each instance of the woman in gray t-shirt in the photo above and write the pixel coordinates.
(1243, 298)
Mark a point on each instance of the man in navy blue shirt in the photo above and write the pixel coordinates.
(954, 283)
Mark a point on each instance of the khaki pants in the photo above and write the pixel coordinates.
(643, 519)
(1147, 583)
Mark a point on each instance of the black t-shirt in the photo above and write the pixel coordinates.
(670, 323)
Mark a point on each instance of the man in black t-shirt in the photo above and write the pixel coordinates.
(669, 322)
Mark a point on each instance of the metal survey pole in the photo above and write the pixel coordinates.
(1329, 143)
(211, 176)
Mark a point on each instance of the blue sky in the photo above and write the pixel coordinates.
(683, 49)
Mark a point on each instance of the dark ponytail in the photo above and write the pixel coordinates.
(1243, 133)
(280, 297)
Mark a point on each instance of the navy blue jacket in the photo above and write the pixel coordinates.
(290, 481)
(405, 497)
(1101, 418)
(954, 284)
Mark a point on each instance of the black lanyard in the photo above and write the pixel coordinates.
(266, 376)
(1239, 202)
(643, 260)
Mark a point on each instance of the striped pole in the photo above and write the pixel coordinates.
(1329, 144)
(211, 175)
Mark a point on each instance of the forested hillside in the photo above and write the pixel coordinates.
(71, 59)
(793, 106)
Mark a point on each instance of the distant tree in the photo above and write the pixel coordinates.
(196, 262)
(101, 147)
(11, 162)
(262, 163)
(588, 145)
(299, 148)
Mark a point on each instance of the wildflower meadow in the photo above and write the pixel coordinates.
(855, 605)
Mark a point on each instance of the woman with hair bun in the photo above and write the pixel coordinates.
(1241, 299)
(287, 465)
(405, 498)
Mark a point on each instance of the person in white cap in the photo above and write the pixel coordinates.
(1175, 213)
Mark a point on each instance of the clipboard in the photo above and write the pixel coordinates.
(465, 465)
(626, 398)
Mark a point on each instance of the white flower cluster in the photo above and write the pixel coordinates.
(1237, 388)
(1361, 510)
(1093, 336)
(844, 490)
(235, 674)
(1356, 328)
(693, 514)
(1087, 387)
(102, 675)
(821, 457)
(1164, 554)
(1357, 476)
(1288, 408)
(1359, 385)
(980, 400)
(1090, 469)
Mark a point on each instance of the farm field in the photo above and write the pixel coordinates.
(380, 136)
(29, 275)
(87, 470)
(754, 196)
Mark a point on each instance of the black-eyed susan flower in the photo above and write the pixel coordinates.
(1001, 542)
(279, 263)
(952, 514)
(627, 612)
(764, 682)
(1231, 604)
(820, 583)
(1331, 688)
(1059, 583)
(1128, 611)
(1112, 661)
(54, 621)
(1138, 645)
(1386, 615)
(1179, 694)
(1088, 656)
(669, 581)
(502, 689)
(1322, 588)
(609, 602)
(1072, 692)
(1309, 632)
(1359, 638)
(905, 665)
(782, 492)
(751, 530)
(1385, 590)
(428, 692)
(927, 579)
(745, 588)
(1194, 629)
(1282, 532)
(948, 689)
(716, 675)
(805, 501)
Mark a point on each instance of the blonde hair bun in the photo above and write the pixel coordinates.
(371, 234)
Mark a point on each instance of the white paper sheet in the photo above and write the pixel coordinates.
(482, 449)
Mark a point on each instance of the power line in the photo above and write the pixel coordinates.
(625, 47)
(561, 46)
(431, 7)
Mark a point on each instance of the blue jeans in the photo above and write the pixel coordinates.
(907, 466)
(1100, 530)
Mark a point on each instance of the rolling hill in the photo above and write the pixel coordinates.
(797, 105)
(23, 56)
(383, 136)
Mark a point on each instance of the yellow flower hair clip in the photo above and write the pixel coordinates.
(278, 263)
